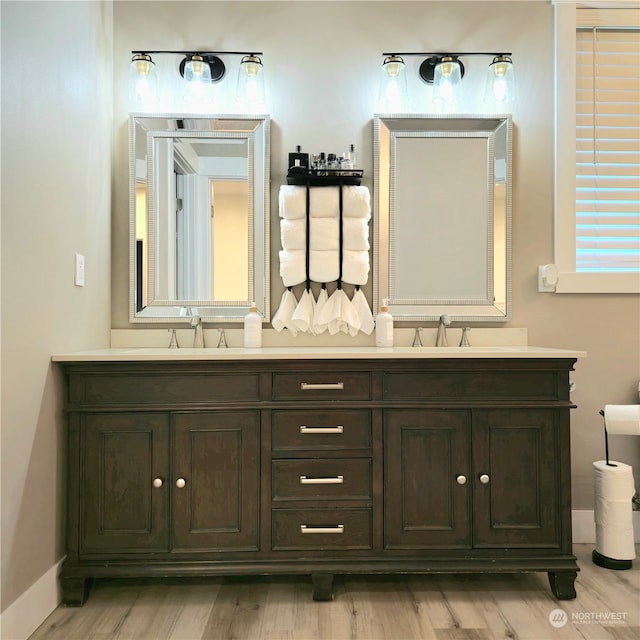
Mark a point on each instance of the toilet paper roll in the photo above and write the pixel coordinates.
(622, 419)
(615, 543)
(617, 515)
(613, 482)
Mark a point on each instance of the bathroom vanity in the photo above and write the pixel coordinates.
(317, 461)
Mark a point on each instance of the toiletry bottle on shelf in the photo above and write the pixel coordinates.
(252, 328)
(353, 156)
(299, 159)
(384, 327)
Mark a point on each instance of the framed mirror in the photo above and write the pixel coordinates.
(199, 217)
(442, 216)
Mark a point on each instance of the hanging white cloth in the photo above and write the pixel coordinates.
(302, 318)
(282, 317)
(319, 327)
(359, 302)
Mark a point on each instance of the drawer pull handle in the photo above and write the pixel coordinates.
(321, 386)
(330, 480)
(311, 430)
(461, 479)
(484, 478)
(157, 482)
(311, 529)
(181, 483)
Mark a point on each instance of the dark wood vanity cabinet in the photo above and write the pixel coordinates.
(318, 466)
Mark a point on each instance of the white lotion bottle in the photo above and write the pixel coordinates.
(384, 327)
(253, 328)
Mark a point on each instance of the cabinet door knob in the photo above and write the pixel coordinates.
(157, 482)
(484, 478)
(461, 479)
(180, 483)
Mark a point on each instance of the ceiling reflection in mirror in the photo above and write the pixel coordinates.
(443, 216)
(199, 217)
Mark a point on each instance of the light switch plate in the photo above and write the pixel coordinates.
(79, 273)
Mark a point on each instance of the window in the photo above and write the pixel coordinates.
(597, 209)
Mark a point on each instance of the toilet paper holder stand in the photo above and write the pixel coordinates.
(606, 441)
(636, 498)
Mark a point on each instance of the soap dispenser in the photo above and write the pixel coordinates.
(253, 328)
(384, 327)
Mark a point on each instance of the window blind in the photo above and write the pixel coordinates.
(607, 149)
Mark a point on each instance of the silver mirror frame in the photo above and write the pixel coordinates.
(259, 140)
(388, 128)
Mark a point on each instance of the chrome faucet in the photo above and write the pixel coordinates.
(464, 339)
(198, 338)
(222, 342)
(417, 338)
(441, 338)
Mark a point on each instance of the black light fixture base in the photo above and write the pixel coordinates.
(428, 67)
(216, 65)
(610, 563)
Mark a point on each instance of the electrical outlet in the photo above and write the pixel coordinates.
(79, 273)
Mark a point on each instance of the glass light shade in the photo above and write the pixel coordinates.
(143, 80)
(500, 88)
(250, 87)
(393, 85)
(446, 83)
(197, 70)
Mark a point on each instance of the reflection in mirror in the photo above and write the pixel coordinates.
(442, 221)
(199, 217)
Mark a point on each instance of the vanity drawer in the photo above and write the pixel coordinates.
(321, 430)
(470, 385)
(330, 386)
(145, 388)
(320, 529)
(336, 479)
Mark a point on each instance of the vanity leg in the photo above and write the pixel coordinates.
(75, 591)
(322, 586)
(562, 584)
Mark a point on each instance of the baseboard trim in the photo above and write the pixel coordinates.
(28, 612)
(584, 527)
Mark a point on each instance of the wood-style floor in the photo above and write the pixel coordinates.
(439, 607)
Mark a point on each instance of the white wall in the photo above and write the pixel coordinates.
(56, 201)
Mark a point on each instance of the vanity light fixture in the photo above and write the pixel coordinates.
(500, 86)
(250, 85)
(393, 84)
(143, 79)
(200, 69)
(445, 71)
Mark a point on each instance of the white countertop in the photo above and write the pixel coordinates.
(312, 353)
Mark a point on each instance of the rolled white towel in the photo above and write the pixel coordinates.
(355, 234)
(356, 202)
(355, 267)
(324, 234)
(324, 202)
(292, 202)
(324, 266)
(293, 267)
(293, 234)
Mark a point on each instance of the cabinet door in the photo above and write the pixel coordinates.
(515, 478)
(215, 481)
(426, 495)
(123, 508)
